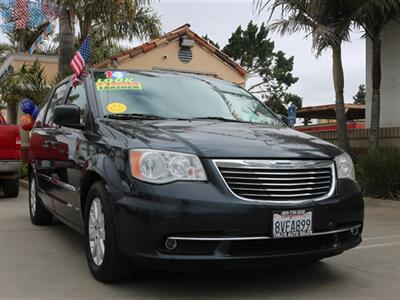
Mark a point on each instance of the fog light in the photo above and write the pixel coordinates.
(171, 244)
(354, 231)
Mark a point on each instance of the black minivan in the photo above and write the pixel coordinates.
(182, 171)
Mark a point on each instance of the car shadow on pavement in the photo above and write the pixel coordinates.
(229, 284)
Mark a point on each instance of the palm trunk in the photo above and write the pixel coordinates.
(338, 79)
(376, 94)
(67, 41)
(12, 112)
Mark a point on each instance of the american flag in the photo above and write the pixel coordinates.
(21, 14)
(81, 59)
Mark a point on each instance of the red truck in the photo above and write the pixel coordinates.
(10, 157)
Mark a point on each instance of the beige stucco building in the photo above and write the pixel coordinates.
(16, 60)
(179, 50)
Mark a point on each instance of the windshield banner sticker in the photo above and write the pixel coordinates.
(115, 74)
(118, 84)
(116, 107)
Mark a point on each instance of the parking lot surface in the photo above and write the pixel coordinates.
(49, 263)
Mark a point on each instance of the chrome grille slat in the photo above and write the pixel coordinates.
(279, 180)
(276, 173)
(283, 190)
(279, 184)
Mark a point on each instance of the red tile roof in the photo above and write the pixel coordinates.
(353, 111)
(169, 37)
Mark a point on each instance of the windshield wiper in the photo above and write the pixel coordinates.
(218, 118)
(133, 116)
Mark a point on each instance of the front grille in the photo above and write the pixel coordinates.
(274, 180)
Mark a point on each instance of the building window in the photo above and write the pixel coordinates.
(185, 55)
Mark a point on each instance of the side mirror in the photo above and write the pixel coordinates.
(67, 115)
(284, 119)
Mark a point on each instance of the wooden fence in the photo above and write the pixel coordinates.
(389, 137)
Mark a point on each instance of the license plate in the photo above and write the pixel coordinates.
(292, 223)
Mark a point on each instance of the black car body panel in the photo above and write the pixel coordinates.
(66, 161)
(217, 139)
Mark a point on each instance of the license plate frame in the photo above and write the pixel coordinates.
(292, 223)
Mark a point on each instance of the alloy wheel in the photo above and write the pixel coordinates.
(96, 230)
(33, 197)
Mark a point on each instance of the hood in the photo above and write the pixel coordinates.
(218, 139)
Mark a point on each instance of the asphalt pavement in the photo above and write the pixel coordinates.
(49, 263)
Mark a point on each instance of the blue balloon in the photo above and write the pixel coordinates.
(35, 112)
(27, 106)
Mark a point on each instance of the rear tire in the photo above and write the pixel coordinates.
(37, 211)
(104, 260)
(11, 187)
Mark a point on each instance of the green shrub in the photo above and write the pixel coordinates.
(379, 173)
(23, 171)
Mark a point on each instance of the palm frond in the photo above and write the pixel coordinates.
(372, 16)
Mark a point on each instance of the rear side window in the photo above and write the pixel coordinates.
(40, 118)
(55, 100)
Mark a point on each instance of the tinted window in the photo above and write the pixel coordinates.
(40, 118)
(77, 96)
(176, 96)
(55, 100)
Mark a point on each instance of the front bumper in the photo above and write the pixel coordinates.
(249, 253)
(145, 220)
(9, 169)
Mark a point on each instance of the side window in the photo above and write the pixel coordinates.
(40, 117)
(77, 96)
(55, 100)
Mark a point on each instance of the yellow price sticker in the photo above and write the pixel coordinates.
(116, 108)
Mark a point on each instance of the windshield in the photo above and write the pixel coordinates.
(172, 96)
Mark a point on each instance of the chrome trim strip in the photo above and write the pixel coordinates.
(274, 164)
(58, 182)
(253, 238)
(278, 164)
(283, 196)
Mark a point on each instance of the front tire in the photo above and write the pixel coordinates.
(104, 260)
(37, 211)
(11, 188)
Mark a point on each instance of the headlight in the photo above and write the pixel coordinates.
(156, 166)
(344, 166)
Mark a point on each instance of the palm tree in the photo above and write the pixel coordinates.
(329, 25)
(5, 50)
(20, 40)
(373, 18)
(328, 22)
(115, 20)
(29, 81)
(66, 48)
